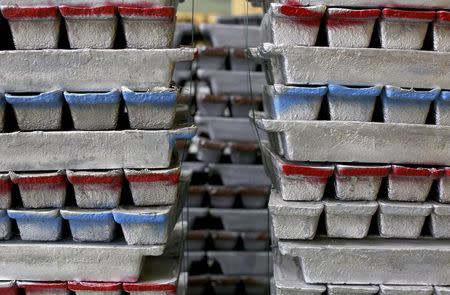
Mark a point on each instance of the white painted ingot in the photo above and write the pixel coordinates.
(411, 184)
(348, 219)
(358, 182)
(96, 189)
(442, 108)
(90, 27)
(406, 290)
(148, 27)
(33, 27)
(94, 111)
(352, 289)
(444, 186)
(38, 224)
(150, 187)
(293, 103)
(440, 221)
(296, 181)
(44, 288)
(41, 190)
(402, 105)
(37, 112)
(441, 32)
(350, 27)
(5, 225)
(362, 66)
(292, 25)
(352, 104)
(294, 220)
(90, 225)
(401, 219)
(95, 288)
(404, 29)
(5, 191)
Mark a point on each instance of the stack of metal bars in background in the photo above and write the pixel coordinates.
(357, 115)
(90, 188)
(228, 220)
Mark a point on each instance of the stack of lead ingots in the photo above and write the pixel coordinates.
(358, 146)
(228, 234)
(91, 186)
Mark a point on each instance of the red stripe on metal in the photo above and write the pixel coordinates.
(443, 16)
(87, 11)
(93, 286)
(366, 171)
(354, 14)
(132, 287)
(409, 14)
(42, 285)
(56, 179)
(91, 179)
(164, 11)
(18, 13)
(416, 172)
(173, 178)
(292, 169)
(300, 12)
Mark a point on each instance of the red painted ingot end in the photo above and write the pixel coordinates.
(54, 179)
(409, 14)
(447, 171)
(350, 14)
(300, 12)
(22, 13)
(172, 177)
(364, 171)
(5, 186)
(69, 11)
(416, 172)
(443, 16)
(93, 286)
(42, 285)
(151, 12)
(303, 170)
(133, 287)
(92, 179)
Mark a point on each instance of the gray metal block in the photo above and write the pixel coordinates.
(405, 290)
(441, 30)
(251, 263)
(90, 225)
(401, 219)
(371, 261)
(91, 69)
(350, 66)
(440, 221)
(366, 141)
(233, 82)
(227, 128)
(106, 149)
(294, 220)
(444, 187)
(38, 224)
(352, 289)
(5, 191)
(237, 36)
(240, 175)
(348, 219)
(242, 219)
(44, 288)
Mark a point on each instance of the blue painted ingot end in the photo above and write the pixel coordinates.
(122, 217)
(167, 97)
(296, 96)
(112, 97)
(48, 99)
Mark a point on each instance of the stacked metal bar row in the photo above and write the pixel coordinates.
(91, 184)
(357, 146)
(227, 251)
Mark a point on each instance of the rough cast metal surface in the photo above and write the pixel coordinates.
(294, 220)
(32, 3)
(91, 69)
(90, 225)
(89, 150)
(354, 67)
(428, 4)
(372, 261)
(369, 142)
